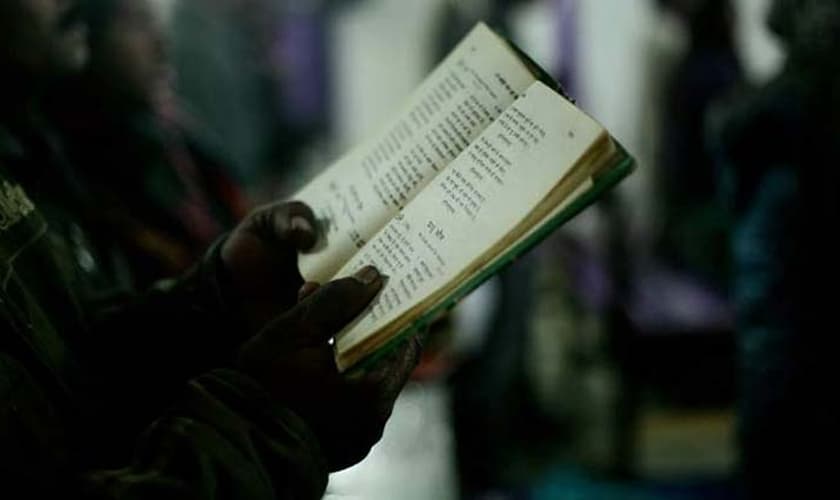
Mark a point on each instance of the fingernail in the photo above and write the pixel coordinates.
(367, 275)
(301, 224)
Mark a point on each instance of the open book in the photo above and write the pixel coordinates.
(485, 159)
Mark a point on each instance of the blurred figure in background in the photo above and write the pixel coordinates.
(255, 73)
(27, 137)
(219, 49)
(709, 70)
(162, 195)
(780, 147)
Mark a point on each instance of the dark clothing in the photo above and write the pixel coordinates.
(112, 398)
(781, 147)
(689, 177)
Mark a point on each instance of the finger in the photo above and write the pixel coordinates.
(336, 304)
(307, 289)
(377, 391)
(401, 369)
(313, 365)
(394, 371)
(295, 222)
(422, 337)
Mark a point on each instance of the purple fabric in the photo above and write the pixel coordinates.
(300, 51)
(667, 301)
(660, 300)
(566, 67)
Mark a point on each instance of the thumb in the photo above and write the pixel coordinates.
(316, 319)
(334, 305)
(294, 222)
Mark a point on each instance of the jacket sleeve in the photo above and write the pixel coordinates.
(147, 346)
(225, 438)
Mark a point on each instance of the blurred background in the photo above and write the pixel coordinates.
(643, 351)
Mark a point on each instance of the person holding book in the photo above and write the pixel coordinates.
(112, 399)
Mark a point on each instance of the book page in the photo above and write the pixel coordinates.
(475, 203)
(583, 184)
(581, 189)
(361, 192)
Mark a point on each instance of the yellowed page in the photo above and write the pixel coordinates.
(361, 192)
(346, 358)
(574, 183)
(579, 191)
(475, 203)
(581, 188)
